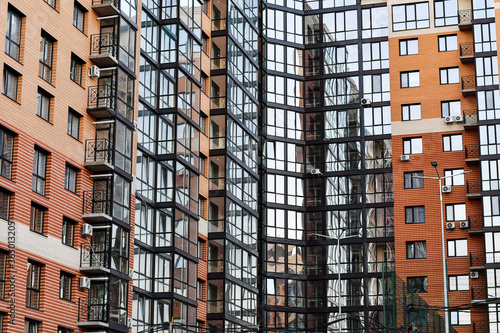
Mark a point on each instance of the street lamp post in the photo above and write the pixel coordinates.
(443, 251)
(337, 255)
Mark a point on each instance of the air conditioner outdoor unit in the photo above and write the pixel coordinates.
(365, 102)
(94, 71)
(459, 118)
(405, 158)
(464, 225)
(474, 275)
(448, 119)
(129, 322)
(130, 272)
(446, 189)
(84, 282)
(450, 225)
(315, 172)
(86, 230)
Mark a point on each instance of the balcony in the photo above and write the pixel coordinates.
(106, 7)
(470, 119)
(101, 102)
(216, 184)
(473, 189)
(479, 327)
(475, 224)
(96, 206)
(472, 154)
(219, 25)
(215, 266)
(478, 294)
(215, 306)
(476, 260)
(92, 260)
(468, 85)
(92, 313)
(217, 63)
(98, 155)
(218, 102)
(466, 52)
(103, 49)
(465, 19)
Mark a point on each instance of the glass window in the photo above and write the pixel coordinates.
(13, 34)
(488, 104)
(374, 22)
(68, 232)
(452, 142)
(461, 317)
(43, 105)
(486, 71)
(37, 218)
(46, 53)
(458, 282)
(445, 12)
(408, 46)
(76, 69)
(375, 55)
(414, 214)
(411, 112)
(447, 43)
(6, 153)
(65, 284)
(456, 212)
(31, 326)
(70, 178)
(483, 9)
(457, 248)
(417, 284)
(376, 87)
(451, 108)
(74, 124)
(410, 79)
(39, 171)
(79, 17)
(413, 179)
(449, 75)
(3, 273)
(10, 83)
(416, 250)
(412, 146)
(455, 177)
(485, 37)
(52, 3)
(410, 16)
(377, 120)
(33, 285)
(4, 204)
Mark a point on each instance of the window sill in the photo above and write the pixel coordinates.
(81, 86)
(72, 192)
(12, 99)
(11, 180)
(70, 246)
(29, 307)
(20, 63)
(75, 138)
(53, 85)
(67, 300)
(47, 121)
(38, 233)
(42, 195)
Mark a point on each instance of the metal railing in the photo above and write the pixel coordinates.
(98, 150)
(218, 102)
(470, 117)
(478, 294)
(92, 309)
(480, 327)
(471, 152)
(475, 222)
(476, 259)
(103, 44)
(469, 82)
(473, 187)
(216, 184)
(219, 24)
(105, 2)
(466, 49)
(218, 63)
(465, 16)
(97, 202)
(216, 226)
(94, 255)
(101, 96)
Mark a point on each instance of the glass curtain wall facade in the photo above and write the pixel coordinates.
(326, 165)
(168, 166)
(233, 163)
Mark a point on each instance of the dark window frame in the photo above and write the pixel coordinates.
(46, 62)
(65, 289)
(413, 214)
(444, 43)
(9, 74)
(79, 15)
(11, 42)
(411, 251)
(6, 152)
(446, 75)
(422, 284)
(411, 181)
(39, 179)
(37, 218)
(404, 46)
(71, 178)
(33, 284)
(40, 110)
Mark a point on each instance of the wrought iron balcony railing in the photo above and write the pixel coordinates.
(476, 259)
(98, 151)
(92, 309)
(104, 44)
(471, 152)
(470, 117)
(473, 187)
(97, 202)
(467, 49)
(464, 17)
(478, 294)
(475, 222)
(94, 255)
(101, 97)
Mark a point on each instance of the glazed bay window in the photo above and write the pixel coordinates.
(33, 285)
(449, 75)
(416, 250)
(417, 284)
(6, 153)
(374, 22)
(11, 80)
(377, 120)
(39, 171)
(458, 282)
(445, 12)
(455, 177)
(452, 142)
(447, 43)
(415, 214)
(120, 249)
(486, 71)
(46, 54)
(411, 112)
(457, 248)
(456, 212)
(13, 33)
(43, 104)
(410, 16)
(408, 46)
(451, 108)
(414, 179)
(376, 87)
(410, 79)
(412, 146)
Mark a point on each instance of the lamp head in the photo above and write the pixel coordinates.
(434, 163)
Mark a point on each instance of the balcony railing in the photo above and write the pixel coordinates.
(218, 102)
(101, 97)
(93, 256)
(216, 226)
(480, 327)
(215, 306)
(97, 202)
(478, 294)
(217, 143)
(216, 184)
(471, 152)
(475, 223)
(467, 49)
(465, 19)
(476, 259)
(98, 151)
(215, 266)
(103, 44)
(219, 24)
(218, 63)
(470, 118)
(473, 187)
(105, 2)
(92, 309)
(468, 85)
